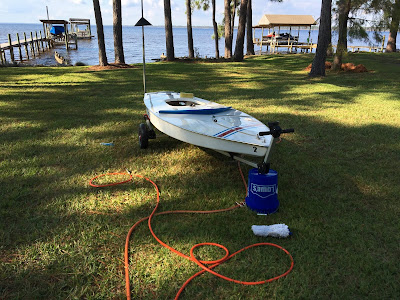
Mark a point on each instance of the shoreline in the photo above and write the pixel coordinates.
(154, 26)
(314, 28)
(87, 52)
(94, 24)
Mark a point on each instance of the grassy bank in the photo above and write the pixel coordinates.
(338, 182)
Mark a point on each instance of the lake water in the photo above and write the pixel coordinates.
(87, 52)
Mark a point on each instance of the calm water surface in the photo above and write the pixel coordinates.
(87, 52)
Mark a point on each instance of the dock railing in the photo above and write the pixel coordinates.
(291, 45)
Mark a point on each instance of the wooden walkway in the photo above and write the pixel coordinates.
(37, 43)
(369, 48)
(272, 46)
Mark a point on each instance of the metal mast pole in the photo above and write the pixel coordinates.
(144, 59)
(143, 22)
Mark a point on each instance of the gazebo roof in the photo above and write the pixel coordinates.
(269, 21)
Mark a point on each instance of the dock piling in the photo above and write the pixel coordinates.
(19, 47)
(76, 41)
(37, 43)
(32, 46)
(66, 36)
(1, 56)
(41, 40)
(26, 46)
(11, 48)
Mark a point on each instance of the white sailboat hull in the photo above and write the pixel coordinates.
(207, 124)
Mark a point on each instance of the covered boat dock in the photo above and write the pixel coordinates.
(81, 27)
(56, 31)
(274, 39)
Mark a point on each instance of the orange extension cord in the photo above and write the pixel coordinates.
(200, 263)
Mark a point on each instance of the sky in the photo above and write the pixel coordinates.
(31, 11)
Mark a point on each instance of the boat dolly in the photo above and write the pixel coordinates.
(146, 132)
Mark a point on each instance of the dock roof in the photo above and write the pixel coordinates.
(269, 21)
(78, 20)
(54, 22)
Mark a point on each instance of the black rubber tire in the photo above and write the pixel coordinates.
(143, 136)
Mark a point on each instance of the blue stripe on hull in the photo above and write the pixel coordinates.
(206, 111)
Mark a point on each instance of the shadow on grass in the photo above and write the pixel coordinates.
(321, 189)
(61, 238)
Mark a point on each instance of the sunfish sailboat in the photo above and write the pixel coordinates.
(206, 124)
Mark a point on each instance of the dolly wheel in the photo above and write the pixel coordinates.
(143, 136)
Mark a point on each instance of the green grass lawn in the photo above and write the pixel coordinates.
(339, 183)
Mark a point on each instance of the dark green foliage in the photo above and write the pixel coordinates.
(357, 30)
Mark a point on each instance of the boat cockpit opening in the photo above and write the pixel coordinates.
(182, 103)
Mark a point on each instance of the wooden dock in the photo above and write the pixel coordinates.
(24, 49)
(76, 28)
(291, 46)
(273, 46)
(373, 48)
(63, 38)
(28, 47)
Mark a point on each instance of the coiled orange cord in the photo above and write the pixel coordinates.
(200, 263)
(110, 184)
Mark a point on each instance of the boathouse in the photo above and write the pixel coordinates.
(57, 32)
(275, 38)
(81, 27)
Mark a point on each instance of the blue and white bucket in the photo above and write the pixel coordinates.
(262, 193)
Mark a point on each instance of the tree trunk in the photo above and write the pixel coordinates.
(228, 36)
(249, 29)
(233, 16)
(324, 39)
(169, 38)
(216, 36)
(394, 27)
(100, 34)
(241, 31)
(189, 27)
(344, 10)
(117, 32)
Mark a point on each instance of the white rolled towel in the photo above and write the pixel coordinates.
(276, 230)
